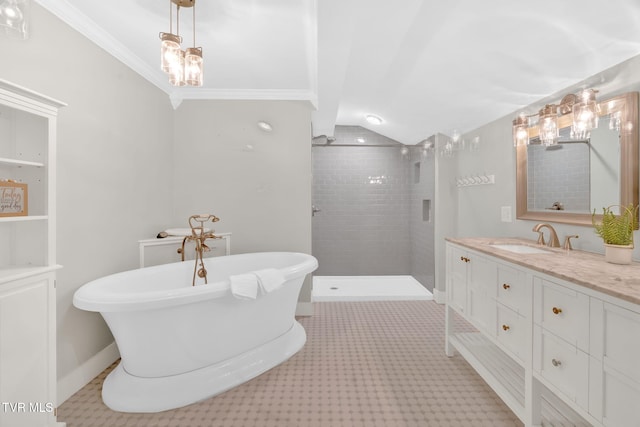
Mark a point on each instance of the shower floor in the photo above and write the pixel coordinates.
(368, 288)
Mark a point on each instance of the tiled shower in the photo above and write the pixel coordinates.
(375, 201)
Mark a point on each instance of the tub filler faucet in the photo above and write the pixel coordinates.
(199, 235)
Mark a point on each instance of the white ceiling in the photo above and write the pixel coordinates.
(421, 65)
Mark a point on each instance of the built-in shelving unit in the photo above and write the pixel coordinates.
(28, 259)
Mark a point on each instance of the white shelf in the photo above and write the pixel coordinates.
(501, 372)
(24, 218)
(8, 274)
(20, 163)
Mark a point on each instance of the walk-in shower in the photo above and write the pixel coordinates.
(372, 199)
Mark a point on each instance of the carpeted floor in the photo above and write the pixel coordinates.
(364, 364)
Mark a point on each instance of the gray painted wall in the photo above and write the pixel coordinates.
(479, 207)
(124, 174)
(114, 151)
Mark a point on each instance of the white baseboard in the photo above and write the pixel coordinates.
(304, 309)
(439, 296)
(86, 372)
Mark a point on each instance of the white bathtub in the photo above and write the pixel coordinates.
(180, 343)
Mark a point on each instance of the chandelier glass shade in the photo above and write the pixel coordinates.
(548, 124)
(585, 115)
(520, 131)
(184, 67)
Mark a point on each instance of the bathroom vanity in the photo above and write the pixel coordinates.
(555, 333)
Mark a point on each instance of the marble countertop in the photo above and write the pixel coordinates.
(582, 268)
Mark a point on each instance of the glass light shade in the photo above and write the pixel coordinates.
(520, 131)
(13, 16)
(193, 66)
(176, 73)
(374, 120)
(585, 115)
(548, 125)
(169, 51)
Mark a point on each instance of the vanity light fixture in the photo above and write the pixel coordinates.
(184, 67)
(581, 112)
(374, 120)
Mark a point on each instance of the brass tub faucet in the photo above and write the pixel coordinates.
(199, 235)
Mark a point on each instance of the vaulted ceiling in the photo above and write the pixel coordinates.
(422, 66)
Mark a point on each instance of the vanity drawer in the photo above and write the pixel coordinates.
(562, 365)
(511, 331)
(562, 311)
(512, 290)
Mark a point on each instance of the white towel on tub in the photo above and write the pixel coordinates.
(244, 286)
(270, 279)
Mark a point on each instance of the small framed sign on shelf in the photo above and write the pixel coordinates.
(13, 199)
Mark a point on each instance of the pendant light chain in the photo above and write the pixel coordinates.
(170, 17)
(194, 24)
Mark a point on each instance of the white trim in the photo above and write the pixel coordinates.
(86, 372)
(304, 309)
(88, 28)
(439, 296)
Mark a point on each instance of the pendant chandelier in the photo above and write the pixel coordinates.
(184, 67)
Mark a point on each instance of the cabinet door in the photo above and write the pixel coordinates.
(615, 364)
(457, 278)
(620, 400)
(26, 354)
(481, 305)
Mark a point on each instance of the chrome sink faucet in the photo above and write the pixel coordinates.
(553, 237)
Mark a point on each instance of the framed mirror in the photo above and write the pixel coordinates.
(565, 182)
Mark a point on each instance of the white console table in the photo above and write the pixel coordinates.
(165, 250)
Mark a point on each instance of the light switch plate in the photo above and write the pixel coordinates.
(505, 213)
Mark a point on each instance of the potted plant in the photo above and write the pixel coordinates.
(617, 232)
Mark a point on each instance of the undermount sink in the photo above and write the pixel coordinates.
(520, 249)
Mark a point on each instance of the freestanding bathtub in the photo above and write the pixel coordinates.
(179, 343)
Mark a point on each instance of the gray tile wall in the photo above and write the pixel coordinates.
(421, 228)
(370, 221)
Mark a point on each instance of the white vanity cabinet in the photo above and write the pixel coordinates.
(472, 286)
(614, 364)
(557, 352)
(27, 260)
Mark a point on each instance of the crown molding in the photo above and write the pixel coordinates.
(89, 29)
